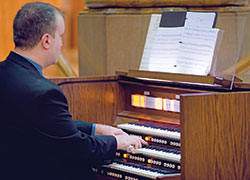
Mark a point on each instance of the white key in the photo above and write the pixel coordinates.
(159, 154)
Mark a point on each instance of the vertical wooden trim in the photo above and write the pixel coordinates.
(215, 140)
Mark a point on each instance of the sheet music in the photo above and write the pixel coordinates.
(165, 49)
(186, 50)
(183, 50)
(196, 51)
(200, 19)
(153, 27)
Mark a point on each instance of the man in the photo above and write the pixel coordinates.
(38, 139)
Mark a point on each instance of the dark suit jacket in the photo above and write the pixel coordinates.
(38, 139)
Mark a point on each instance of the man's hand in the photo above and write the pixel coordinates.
(122, 138)
(101, 129)
(124, 141)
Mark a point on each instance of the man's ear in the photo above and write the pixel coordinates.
(46, 41)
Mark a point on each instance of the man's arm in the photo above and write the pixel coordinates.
(84, 126)
(55, 124)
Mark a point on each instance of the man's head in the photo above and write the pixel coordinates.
(39, 25)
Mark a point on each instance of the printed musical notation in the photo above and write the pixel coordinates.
(186, 50)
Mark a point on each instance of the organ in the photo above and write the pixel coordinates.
(195, 131)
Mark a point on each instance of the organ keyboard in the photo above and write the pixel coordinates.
(161, 130)
(160, 152)
(129, 170)
(158, 159)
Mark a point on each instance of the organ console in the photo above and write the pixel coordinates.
(194, 131)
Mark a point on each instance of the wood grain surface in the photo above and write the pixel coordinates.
(93, 99)
(215, 138)
(154, 3)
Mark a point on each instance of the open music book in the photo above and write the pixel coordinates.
(182, 42)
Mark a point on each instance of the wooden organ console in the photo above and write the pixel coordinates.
(194, 131)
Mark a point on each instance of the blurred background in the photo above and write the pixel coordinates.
(70, 8)
(106, 47)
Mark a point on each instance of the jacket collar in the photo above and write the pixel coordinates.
(18, 59)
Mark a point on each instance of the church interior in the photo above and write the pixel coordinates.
(207, 114)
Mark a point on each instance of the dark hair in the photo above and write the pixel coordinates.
(32, 21)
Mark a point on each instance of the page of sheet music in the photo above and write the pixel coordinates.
(153, 26)
(196, 51)
(200, 19)
(183, 50)
(165, 49)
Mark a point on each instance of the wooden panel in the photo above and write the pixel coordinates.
(153, 3)
(128, 116)
(173, 76)
(95, 100)
(215, 138)
(92, 45)
(126, 36)
(108, 43)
